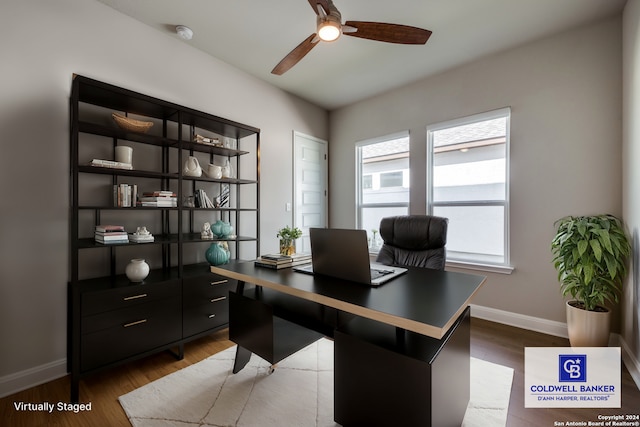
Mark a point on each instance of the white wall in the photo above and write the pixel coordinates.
(631, 173)
(43, 44)
(565, 96)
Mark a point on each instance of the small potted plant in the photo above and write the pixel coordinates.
(288, 236)
(590, 253)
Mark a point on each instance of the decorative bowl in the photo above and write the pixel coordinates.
(131, 125)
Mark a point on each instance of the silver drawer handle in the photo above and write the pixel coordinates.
(211, 316)
(219, 282)
(218, 299)
(138, 322)
(134, 297)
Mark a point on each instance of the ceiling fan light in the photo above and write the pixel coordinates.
(329, 31)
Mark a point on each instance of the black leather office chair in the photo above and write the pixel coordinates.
(414, 240)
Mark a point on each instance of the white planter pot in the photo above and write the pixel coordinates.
(588, 328)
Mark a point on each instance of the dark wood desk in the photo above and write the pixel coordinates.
(402, 355)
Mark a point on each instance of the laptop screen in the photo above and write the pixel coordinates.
(341, 253)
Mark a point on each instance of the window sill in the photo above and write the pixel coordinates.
(490, 268)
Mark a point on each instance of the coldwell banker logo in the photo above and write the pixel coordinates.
(557, 377)
(573, 368)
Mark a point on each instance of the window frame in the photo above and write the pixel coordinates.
(505, 266)
(358, 169)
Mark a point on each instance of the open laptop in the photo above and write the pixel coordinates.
(344, 254)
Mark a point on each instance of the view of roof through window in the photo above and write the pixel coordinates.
(381, 150)
(458, 135)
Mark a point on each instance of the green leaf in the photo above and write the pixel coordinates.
(606, 240)
(582, 247)
(597, 250)
(582, 229)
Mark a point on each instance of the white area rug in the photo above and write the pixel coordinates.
(298, 394)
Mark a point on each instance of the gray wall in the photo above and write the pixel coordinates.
(566, 100)
(631, 173)
(43, 44)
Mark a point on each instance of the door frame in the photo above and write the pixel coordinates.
(296, 141)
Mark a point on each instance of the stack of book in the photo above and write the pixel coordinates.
(110, 164)
(159, 199)
(125, 195)
(277, 261)
(109, 234)
(207, 140)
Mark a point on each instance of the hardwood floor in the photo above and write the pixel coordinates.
(505, 345)
(489, 341)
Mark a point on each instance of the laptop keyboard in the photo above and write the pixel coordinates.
(375, 273)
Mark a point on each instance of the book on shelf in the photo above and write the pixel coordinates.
(158, 199)
(202, 200)
(159, 193)
(109, 228)
(159, 204)
(111, 242)
(111, 233)
(112, 239)
(110, 164)
(201, 139)
(125, 195)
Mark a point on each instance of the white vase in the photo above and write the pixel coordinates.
(192, 167)
(137, 270)
(213, 171)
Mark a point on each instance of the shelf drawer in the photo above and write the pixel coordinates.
(127, 315)
(201, 290)
(129, 331)
(202, 317)
(127, 296)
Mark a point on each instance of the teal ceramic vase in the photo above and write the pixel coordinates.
(216, 254)
(221, 229)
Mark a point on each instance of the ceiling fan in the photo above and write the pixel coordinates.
(330, 27)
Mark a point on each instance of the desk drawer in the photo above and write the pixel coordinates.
(202, 317)
(123, 333)
(127, 296)
(204, 289)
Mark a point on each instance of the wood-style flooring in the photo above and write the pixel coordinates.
(489, 341)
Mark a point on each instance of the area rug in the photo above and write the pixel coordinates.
(298, 394)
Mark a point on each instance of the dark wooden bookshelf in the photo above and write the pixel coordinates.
(112, 321)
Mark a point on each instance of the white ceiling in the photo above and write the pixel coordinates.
(254, 35)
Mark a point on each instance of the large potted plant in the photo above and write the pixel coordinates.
(590, 255)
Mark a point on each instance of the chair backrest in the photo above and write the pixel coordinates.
(414, 240)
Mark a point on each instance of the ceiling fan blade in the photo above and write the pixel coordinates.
(390, 33)
(324, 3)
(295, 55)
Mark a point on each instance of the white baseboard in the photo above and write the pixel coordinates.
(522, 321)
(632, 364)
(13, 383)
(557, 329)
(32, 377)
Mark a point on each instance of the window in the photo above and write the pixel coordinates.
(382, 179)
(391, 179)
(468, 170)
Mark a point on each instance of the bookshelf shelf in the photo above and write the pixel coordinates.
(179, 282)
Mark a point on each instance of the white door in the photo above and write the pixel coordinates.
(310, 184)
